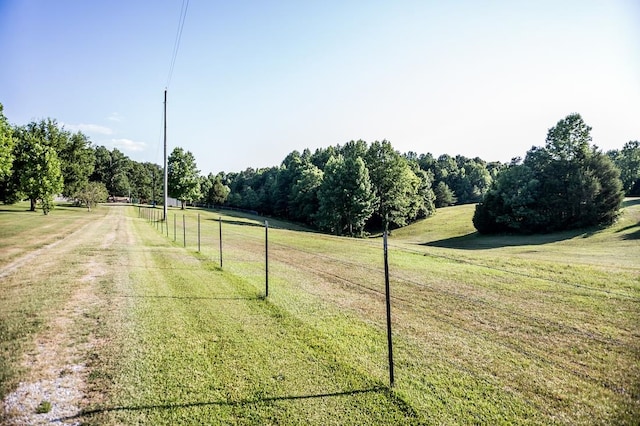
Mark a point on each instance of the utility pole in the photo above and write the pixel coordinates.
(166, 173)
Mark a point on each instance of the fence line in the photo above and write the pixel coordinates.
(478, 302)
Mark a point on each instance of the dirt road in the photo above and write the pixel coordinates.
(56, 365)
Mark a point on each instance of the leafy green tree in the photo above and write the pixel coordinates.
(146, 181)
(346, 199)
(205, 186)
(214, 192)
(444, 195)
(49, 133)
(569, 186)
(6, 146)
(281, 190)
(253, 189)
(304, 201)
(251, 199)
(511, 203)
(608, 189)
(76, 155)
(45, 133)
(113, 169)
(321, 156)
(120, 171)
(183, 176)
(354, 149)
(427, 163)
(423, 203)
(476, 180)
(77, 159)
(39, 170)
(566, 184)
(156, 183)
(102, 170)
(92, 194)
(238, 182)
(446, 169)
(393, 183)
(219, 192)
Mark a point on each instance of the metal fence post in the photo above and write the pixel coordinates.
(388, 302)
(266, 258)
(220, 227)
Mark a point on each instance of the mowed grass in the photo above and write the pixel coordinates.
(202, 346)
(23, 231)
(493, 330)
(509, 329)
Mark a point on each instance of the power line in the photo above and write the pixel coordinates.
(176, 45)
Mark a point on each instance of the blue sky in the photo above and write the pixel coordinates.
(255, 80)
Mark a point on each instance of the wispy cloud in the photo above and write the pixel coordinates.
(114, 116)
(88, 128)
(128, 145)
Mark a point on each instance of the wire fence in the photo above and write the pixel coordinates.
(246, 245)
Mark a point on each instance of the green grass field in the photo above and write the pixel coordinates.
(487, 330)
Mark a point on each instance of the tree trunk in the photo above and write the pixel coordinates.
(33, 204)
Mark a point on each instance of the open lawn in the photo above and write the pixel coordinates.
(114, 319)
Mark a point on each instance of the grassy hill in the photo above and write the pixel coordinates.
(498, 329)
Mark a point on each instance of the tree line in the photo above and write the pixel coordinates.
(345, 189)
(351, 188)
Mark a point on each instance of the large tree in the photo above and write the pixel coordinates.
(346, 198)
(565, 184)
(183, 176)
(38, 170)
(393, 183)
(113, 169)
(303, 200)
(77, 158)
(511, 204)
(213, 191)
(76, 155)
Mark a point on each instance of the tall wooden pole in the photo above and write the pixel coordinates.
(166, 173)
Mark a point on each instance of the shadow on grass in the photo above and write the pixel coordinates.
(633, 235)
(241, 402)
(477, 241)
(238, 222)
(259, 221)
(143, 296)
(628, 202)
(14, 210)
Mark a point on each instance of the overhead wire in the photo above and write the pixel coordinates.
(176, 44)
